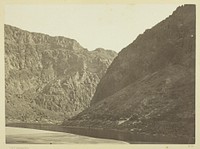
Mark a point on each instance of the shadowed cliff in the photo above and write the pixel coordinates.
(150, 86)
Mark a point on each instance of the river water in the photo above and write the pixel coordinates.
(109, 134)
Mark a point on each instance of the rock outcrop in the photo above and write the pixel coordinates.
(49, 78)
(150, 86)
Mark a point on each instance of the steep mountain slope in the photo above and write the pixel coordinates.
(149, 87)
(49, 78)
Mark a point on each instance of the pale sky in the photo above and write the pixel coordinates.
(93, 26)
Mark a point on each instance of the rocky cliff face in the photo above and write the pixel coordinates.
(49, 78)
(149, 87)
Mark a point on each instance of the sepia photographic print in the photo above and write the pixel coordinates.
(100, 73)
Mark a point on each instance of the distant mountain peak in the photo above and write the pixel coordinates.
(23, 36)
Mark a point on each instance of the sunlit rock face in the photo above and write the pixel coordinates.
(150, 86)
(49, 78)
